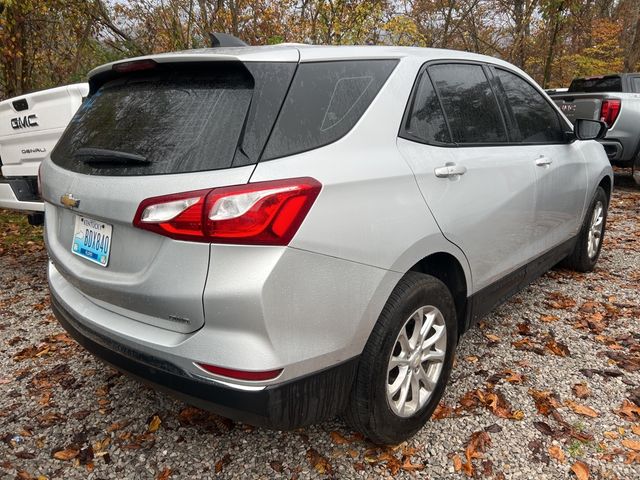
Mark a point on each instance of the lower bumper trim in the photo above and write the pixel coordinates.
(289, 405)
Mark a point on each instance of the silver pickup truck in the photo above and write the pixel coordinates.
(614, 99)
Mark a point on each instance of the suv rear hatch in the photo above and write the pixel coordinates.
(152, 128)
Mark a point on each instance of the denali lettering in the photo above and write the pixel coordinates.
(33, 150)
(24, 122)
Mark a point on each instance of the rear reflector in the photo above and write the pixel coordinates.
(263, 213)
(134, 66)
(241, 374)
(609, 111)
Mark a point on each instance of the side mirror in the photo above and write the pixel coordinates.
(585, 129)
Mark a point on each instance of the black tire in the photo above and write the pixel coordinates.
(368, 410)
(579, 259)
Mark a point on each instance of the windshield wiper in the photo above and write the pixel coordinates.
(97, 156)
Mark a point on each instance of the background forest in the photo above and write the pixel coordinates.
(45, 43)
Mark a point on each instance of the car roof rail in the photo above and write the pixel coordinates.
(219, 39)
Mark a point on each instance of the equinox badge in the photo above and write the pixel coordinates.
(69, 201)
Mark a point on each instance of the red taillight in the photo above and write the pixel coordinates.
(609, 111)
(264, 213)
(241, 374)
(134, 66)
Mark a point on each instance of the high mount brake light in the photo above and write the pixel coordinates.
(134, 66)
(264, 213)
(609, 111)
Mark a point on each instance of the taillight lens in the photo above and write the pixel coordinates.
(241, 374)
(609, 111)
(264, 213)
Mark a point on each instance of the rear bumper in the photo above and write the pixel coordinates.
(613, 149)
(284, 406)
(20, 194)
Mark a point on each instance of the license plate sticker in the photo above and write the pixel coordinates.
(92, 240)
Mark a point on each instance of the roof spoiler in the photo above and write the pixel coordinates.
(225, 40)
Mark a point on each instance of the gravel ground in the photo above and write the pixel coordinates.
(570, 340)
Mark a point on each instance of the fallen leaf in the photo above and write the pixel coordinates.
(545, 401)
(224, 461)
(543, 427)
(631, 444)
(492, 338)
(338, 438)
(441, 411)
(549, 318)
(555, 451)
(318, 462)
(581, 470)
(276, 466)
(611, 435)
(557, 348)
(581, 409)
(636, 429)
(457, 463)
(629, 411)
(154, 424)
(67, 454)
(581, 390)
(164, 474)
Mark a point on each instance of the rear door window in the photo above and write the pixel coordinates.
(178, 120)
(424, 121)
(469, 103)
(325, 101)
(636, 84)
(536, 120)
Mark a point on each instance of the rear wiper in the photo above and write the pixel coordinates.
(96, 156)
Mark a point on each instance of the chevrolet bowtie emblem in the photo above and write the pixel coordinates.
(69, 201)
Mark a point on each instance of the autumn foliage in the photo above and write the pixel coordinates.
(45, 43)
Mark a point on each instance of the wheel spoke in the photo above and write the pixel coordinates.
(433, 356)
(397, 362)
(429, 342)
(404, 391)
(430, 318)
(428, 383)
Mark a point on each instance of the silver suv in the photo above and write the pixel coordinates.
(283, 234)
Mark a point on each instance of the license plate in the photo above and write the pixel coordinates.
(92, 240)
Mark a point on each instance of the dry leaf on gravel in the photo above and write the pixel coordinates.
(581, 409)
(631, 444)
(557, 348)
(66, 454)
(477, 445)
(339, 439)
(629, 411)
(441, 411)
(581, 470)
(555, 451)
(154, 424)
(223, 462)
(318, 462)
(581, 390)
(635, 429)
(545, 401)
(164, 474)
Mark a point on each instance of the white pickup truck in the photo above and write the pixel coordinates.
(30, 126)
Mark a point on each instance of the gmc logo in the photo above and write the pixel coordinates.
(24, 122)
(568, 107)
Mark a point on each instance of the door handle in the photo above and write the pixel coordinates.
(543, 161)
(450, 171)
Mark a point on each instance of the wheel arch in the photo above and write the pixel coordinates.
(447, 268)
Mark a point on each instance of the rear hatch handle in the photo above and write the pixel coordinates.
(96, 156)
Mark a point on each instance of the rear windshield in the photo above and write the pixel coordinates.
(325, 101)
(595, 85)
(174, 121)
